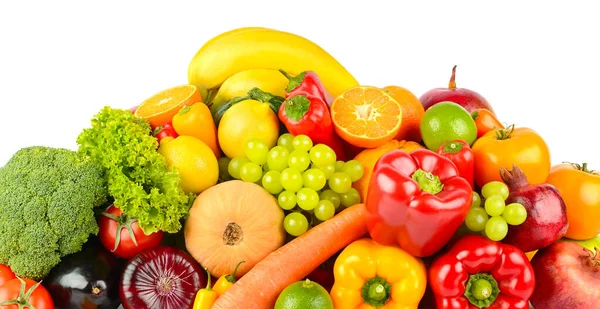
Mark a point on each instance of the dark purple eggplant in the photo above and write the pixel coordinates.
(86, 279)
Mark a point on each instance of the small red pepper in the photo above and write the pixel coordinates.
(165, 130)
(307, 82)
(459, 152)
(309, 115)
(417, 201)
(480, 273)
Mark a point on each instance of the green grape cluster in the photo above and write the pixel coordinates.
(311, 186)
(489, 214)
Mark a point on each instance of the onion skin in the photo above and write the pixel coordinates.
(546, 212)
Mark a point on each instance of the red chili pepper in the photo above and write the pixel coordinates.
(416, 200)
(480, 273)
(459, 152)
(308, 114)
(307, 82)
(165, 130)
(485, 121)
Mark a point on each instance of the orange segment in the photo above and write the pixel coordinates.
(161, 107)
(366, 116)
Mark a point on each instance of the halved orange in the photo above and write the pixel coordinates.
(366, 116)
(161, 107)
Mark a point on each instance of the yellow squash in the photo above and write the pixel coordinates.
(265, 48)
(238, 85)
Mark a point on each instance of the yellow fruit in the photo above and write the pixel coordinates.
(247, 120)
(271, 81)
(194, 160)
(268, 49)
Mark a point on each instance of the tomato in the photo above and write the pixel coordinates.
(39, 298)
(122, 235)
(485, 121)
(580, 189)
(165, 130)
(507, 147)
(6, 274)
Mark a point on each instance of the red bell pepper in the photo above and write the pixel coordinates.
(165, 130)
(480, 273)
(417, 201)
(459, 152)
(307, 82)
(309, 115)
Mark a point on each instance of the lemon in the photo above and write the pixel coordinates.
(246, 120)
(304, 295)
(194, 160)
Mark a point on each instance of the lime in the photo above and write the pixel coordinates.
(304, 295)
(447, 121)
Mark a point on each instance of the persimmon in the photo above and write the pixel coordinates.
(579, 187)
(507, 147)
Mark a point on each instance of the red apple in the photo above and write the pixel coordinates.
(464, 97)
(567, 275)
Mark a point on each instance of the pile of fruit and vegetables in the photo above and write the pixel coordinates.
(274, 179)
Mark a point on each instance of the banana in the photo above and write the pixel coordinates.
(271, 81)
(264, 48)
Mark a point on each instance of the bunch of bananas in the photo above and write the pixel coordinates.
(232, 63)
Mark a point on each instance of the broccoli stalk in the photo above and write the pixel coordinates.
(47, 201)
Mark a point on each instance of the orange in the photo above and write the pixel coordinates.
(369, 157)
(366, 116)
(161, 107)
(412, 112)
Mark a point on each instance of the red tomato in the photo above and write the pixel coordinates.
(116, 231)
(6, 274)
(38, 299)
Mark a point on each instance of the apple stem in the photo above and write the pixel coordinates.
(452, 84)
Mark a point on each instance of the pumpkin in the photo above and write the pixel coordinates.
(231, 222)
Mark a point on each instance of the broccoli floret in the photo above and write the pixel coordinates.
(47, 201)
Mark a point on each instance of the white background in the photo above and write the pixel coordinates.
(537, 63)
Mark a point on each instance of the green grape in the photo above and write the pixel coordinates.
(277, 158)
(287, 200)
(271, 181)
(265, 168)
(331, 196)
(350, 198)
(476, 219)
(496, 228)
(307, 198)
(340, 182)
(256, 151)
(329, 170)
(224, 167)
(339, 165)
(235, 165)
(286, 140)
(354, 169)
(322, 155)
(515, 214)
(495, 188)
(476, 200)
(324, 210)
(295, 224)
(314, 178)
(291, 179)
(251, 172)
(494, 205)
(299, 160)
(302, 142)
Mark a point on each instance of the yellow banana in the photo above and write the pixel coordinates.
(265, 48)
(271, 81)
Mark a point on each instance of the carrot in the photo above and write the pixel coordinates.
(260, 287)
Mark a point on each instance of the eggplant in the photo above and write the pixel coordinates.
(86, 279)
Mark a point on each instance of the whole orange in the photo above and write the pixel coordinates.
(369, 157)
(412, 112)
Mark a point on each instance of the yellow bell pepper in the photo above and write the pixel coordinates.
(226, 281)
(205, 297)
(369, 275)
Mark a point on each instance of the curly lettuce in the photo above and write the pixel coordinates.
(138, 178)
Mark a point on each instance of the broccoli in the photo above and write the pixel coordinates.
(47, 202)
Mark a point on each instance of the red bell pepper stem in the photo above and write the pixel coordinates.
(309, 115)
(459, 152)
(307, 82)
